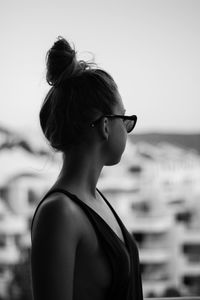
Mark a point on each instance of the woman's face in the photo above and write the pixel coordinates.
(117, 134)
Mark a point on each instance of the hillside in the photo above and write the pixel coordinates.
(34, 142)
(185, 141)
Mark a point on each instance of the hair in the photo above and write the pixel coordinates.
(80, 91)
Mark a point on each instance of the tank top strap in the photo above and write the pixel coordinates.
(113, 210)
(90, 212)
(113, 250)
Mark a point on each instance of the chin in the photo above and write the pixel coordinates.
(113, 162)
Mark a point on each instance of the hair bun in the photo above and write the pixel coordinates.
(61, 62)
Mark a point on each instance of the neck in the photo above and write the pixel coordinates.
(80, 172)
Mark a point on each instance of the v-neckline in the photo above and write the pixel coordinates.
(109, 227)
(116, 218)
(124, 243)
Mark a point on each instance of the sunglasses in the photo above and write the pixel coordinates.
(129, 121)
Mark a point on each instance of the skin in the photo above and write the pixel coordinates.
(68, 261)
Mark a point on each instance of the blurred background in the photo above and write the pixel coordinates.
(151, 48)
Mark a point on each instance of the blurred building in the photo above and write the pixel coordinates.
(12, 228)
(24, 177)
(156, 193)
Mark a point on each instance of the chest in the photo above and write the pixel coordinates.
(96, 260)
(108, 217)
(93, 270)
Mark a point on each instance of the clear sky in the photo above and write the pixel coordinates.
(150, 47)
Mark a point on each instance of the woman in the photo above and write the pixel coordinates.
(80, 247)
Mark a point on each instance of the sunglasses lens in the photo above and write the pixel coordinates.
(129, 125)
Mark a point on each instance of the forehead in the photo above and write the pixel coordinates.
(119, 107)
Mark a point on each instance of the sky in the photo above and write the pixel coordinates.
(150, 47)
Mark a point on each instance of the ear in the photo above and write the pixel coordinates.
(104, 128)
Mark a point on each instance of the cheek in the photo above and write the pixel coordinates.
(121, 135)
(116, 148)
(123, 139)
(119, 141)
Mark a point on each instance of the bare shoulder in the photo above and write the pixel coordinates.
(55, 239)
(57, 211)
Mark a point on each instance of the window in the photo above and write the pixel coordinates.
(2, 240)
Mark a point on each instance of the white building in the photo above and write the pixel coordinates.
(153, 191)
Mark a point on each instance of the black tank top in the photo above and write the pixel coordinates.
(123, 257)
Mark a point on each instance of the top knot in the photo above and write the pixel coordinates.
(61, 62)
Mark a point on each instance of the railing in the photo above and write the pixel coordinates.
(174, 298)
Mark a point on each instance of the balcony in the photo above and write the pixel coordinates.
(175, 298)
(150, 225)
(9, 255)
(154, 256)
